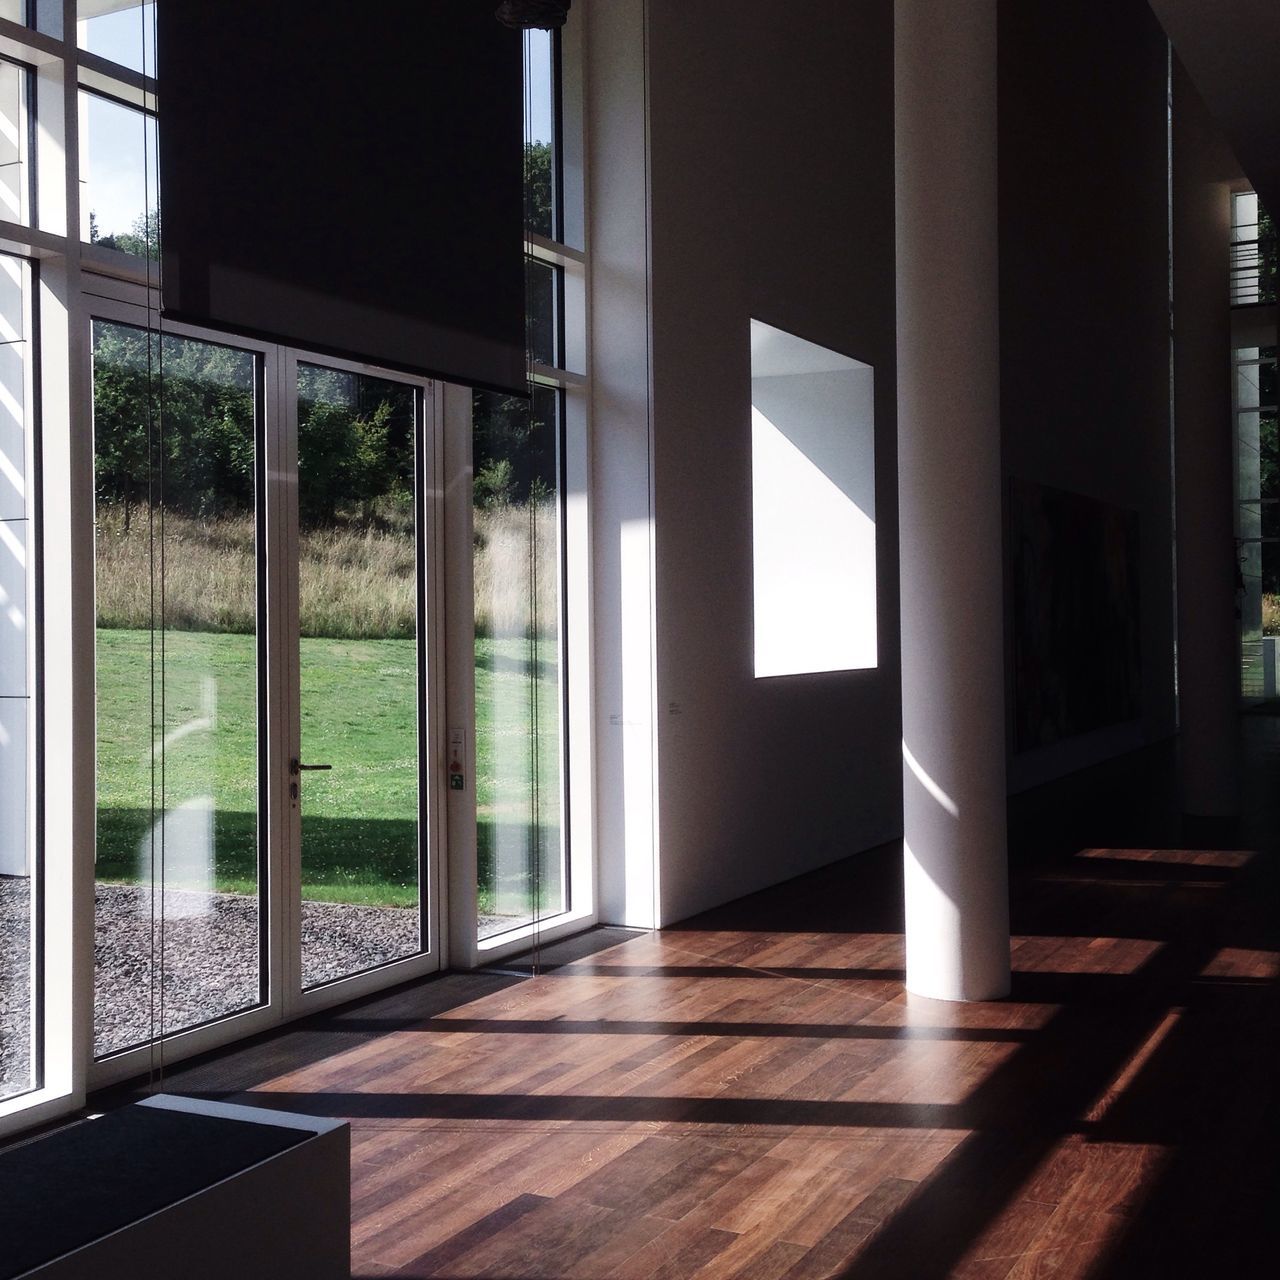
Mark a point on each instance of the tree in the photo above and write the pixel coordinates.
(143, 241)
(174, 419)
(539, 200)
(515, 447)
(1269, 255)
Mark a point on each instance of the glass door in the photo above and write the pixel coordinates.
(264, 696)
(359, 553)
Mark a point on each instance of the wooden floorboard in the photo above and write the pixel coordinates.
(753, 1094)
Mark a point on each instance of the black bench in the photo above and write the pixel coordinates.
(178, 1186)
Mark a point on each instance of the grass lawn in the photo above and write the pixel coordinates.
(359, 712)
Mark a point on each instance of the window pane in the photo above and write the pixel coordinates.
(118, 176)
(519, 736)
(542, 311)
(15, 170)
(48, 15)
(178, 928)
(120, 30)
(18, 879)
(540, 133)
(358, 627)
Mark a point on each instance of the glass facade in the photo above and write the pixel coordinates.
(242, 559)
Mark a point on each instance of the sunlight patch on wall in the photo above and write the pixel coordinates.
(813, 506)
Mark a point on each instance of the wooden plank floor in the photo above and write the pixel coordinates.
(753, 1094)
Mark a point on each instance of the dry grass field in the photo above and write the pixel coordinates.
(355, 583)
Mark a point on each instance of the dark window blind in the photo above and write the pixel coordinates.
(347, 178)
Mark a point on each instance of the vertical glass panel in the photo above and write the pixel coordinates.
(15, 171)
(122, 31)
(18, 870)
(118, 176)
(14, 10)
(359, 672)
(178, 913)
(519, 691)
(542, 311)
(540, 133)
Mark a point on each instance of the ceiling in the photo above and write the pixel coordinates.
(1231, 50)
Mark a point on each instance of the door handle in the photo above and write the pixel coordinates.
(296, 767)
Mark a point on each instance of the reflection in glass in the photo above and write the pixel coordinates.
(119, 186)
(19, 883)
(122, 31)
(358, 628)
(177, 907)
(519, 737)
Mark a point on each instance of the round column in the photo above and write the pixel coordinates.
(949, 492)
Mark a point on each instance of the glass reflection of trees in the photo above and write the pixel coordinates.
(521, 873)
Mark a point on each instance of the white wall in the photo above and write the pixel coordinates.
(771, 195)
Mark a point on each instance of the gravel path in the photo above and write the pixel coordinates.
(15, 986)
(211, 955)
(211, 961)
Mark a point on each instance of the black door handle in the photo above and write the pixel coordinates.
(296, 767)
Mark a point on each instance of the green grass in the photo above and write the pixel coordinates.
(359, 713)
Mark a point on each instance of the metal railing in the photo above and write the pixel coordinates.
(1253, 264)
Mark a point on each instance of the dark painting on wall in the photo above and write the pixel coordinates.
(1077, 662)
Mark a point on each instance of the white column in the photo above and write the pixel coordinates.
(1208, 638)
(949, 493)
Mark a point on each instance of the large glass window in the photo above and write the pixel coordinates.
(522, 847)
(259, 561)
(19, 879)
(177, 578)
